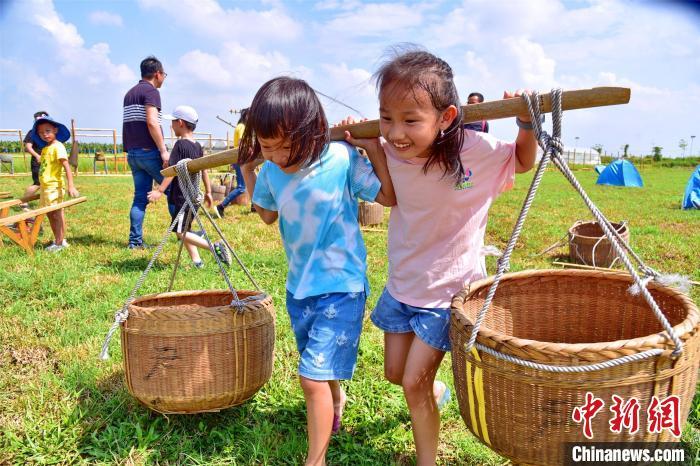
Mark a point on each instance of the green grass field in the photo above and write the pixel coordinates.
(61, 405)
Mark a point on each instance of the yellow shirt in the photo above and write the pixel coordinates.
(51, 170)
(238, 134)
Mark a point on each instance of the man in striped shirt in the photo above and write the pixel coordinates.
(143, 142)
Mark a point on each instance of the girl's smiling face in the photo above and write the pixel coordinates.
(409, 121)
(277, 150)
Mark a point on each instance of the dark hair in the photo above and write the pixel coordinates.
(190, 126)
(150, 66)
(244, 116)
(417, 69)
(286, 107)
(479, 95)
(40, 114)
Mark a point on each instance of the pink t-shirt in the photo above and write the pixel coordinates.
(436, 230)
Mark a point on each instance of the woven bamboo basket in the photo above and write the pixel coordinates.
(191, 352)
(99, 156)
(370, 213)
(218, 192)
(566, 317)
(589, 246)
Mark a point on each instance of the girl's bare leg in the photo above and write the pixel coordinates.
(319, 418)
(419, 375)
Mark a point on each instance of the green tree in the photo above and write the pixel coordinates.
(598, 148)
(682, 144)
(656, 151)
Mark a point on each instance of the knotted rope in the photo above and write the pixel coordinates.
(553, 148)
(189, 185)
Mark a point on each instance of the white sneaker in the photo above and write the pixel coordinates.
(53, 247)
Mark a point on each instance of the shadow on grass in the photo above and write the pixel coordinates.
(117, 428)
(93, 240)
(135, 264)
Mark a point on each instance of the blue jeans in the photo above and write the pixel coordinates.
(145, 165)
(238, 190)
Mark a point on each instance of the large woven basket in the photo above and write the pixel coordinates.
(218, 192)
(370, 213)
(191, 352)
(589, 246)
(566, 317)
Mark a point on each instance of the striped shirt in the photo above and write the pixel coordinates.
(134, 130)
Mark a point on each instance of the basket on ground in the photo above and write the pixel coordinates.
(589, 246)
(218, 192)
(566, 317)
(192, 351)
(370, 213)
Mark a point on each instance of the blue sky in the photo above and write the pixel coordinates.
(76, 59)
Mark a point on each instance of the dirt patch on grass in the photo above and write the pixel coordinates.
(28, 359)
(680, 228)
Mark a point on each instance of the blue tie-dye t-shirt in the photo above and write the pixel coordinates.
(317, 208)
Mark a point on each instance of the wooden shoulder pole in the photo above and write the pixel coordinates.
(491, 110)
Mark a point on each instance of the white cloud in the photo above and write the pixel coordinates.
(105, 18)
(206, 68)
(351, 86)
(208, 19)
(90, 65)
(535, 68)
(43, 14)
(375, 19)
(335, 5)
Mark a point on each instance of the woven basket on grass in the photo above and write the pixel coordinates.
(218, 192)
(589, 246)
(566, 317)
(370, 213)
(191, 352)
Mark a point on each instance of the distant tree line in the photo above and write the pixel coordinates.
(85, 147)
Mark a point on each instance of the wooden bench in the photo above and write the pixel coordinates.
(26, 237)
(5, 206)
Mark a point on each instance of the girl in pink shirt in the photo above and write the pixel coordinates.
(445, 179)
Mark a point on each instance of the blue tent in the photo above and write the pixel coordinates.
(691, 200)
(599, 169)
(621, 173)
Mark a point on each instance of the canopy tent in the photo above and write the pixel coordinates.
(691, 200)
(621, 173)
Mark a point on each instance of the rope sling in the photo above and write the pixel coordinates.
(190, 186)
(553, 148)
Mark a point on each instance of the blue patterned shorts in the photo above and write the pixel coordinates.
(431, 325)
(327, 331)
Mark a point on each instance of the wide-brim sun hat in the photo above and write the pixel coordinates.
(62, 135)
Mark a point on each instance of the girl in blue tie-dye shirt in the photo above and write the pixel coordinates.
(312, 186)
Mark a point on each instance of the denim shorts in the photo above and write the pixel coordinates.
(327, 331)
(431, 325)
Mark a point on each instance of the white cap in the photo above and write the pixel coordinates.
(183, 112)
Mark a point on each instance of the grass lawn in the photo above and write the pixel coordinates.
(61, 405)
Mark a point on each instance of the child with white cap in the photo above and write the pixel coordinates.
(184, 121)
